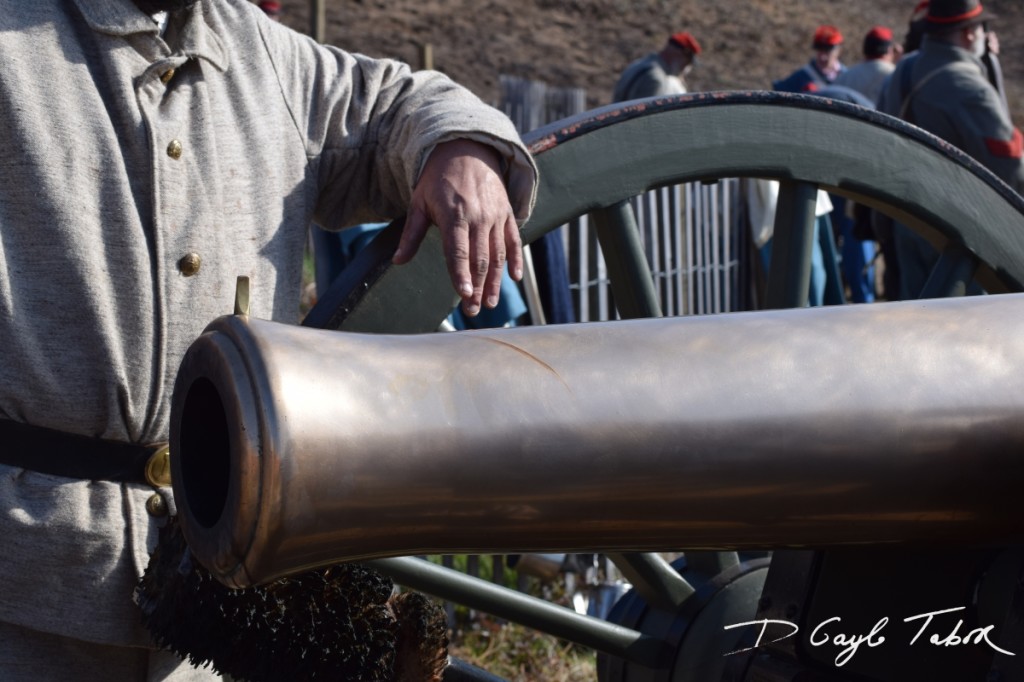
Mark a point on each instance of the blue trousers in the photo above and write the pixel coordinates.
(856, 255)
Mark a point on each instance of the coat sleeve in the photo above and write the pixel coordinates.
(369, 124)
(987, 134)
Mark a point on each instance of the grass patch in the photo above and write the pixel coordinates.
(519, 654)
(509, 650)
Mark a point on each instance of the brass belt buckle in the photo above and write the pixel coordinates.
(158, 468)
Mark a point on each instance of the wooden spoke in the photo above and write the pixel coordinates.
(789, 275)
(628, 269)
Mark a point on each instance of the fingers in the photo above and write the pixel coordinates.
(457, 255)
(476, 257)
(475, 263)
(495, 268)
(514, 248)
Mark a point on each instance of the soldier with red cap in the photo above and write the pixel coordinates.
(945, 89)
(824, 66)
(880, 55)
(659, 73)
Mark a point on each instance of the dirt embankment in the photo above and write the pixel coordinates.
(586, 43)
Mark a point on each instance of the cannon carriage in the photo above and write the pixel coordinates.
(884, 488)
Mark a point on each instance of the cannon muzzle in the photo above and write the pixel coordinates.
(899, 423)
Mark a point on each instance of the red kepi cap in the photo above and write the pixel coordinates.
(827, 37)
(685, 41)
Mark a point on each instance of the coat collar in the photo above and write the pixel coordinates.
(196, 38)
(946, 51)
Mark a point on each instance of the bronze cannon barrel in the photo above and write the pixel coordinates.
(897, 423)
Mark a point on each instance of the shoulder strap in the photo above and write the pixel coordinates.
(995, 77)
(908, 98)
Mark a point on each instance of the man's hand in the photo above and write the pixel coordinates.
(992, 41)
(461, 191)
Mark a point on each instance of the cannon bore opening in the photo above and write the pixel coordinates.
(205, 452)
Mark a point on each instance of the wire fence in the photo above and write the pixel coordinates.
(697, 247)
(694, 235)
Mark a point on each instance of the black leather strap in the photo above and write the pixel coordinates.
(72, 456)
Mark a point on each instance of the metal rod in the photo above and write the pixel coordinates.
(604, 304)
(706, 262)
(424, 576)
(530, 287)
(654, 579)
(629, 271)
(587, 303)
(727, 231)
(700, 256)
(658, 247)
(716, 255)
(789, 274)
(459, 671)
(691, 304)
(678, 252)
(667, 252)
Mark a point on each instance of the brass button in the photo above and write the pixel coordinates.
(174, 149)
(158, 468)
(189, 264)
(156, 506)
(166, 76)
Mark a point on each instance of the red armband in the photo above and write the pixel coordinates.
(1012, 149)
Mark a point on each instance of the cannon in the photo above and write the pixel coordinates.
(887, 498)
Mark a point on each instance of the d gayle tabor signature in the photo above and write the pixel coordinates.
(933, 628)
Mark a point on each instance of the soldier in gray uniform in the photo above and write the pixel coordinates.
(880, 57)
(155, 151)
(659, 73)
(945, 90)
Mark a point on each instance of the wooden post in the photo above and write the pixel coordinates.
(427, 56)
(318, 20)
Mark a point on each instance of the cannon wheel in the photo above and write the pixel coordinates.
(594, 163)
